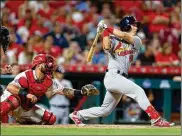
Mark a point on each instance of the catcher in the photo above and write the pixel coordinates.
(28, 87)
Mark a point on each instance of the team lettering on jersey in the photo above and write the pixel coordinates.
(124, 50)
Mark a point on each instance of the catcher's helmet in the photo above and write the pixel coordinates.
(127, 21)
(47, 59)
(4, 38)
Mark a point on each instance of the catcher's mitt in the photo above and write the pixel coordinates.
(89, 90)
(4, 38)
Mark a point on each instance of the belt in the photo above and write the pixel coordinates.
(59, 106)
(119, 72)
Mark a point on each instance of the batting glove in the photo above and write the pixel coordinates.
(101, 26)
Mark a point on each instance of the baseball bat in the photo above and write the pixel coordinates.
(92, 49)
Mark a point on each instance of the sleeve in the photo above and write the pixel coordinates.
(137, 42)
(16, 80)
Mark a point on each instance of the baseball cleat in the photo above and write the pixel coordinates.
(163, 123)
(74, 116)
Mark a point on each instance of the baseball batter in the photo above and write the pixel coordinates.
(121, 47)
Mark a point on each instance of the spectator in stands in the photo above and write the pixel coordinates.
(166, 57)
(35, 5)
(24, 31)
(77, 54)
(15, 69)
(57, 34)
(60, 103)
(99, 56)
(72, 55)
(106, 11)
(90, 40)
(28, 54)
(68, 54)
(93, 24)
(82, 38)
(158, 18)
(155, 42)
(27, 16)
(38, 45)
(146, 58)
(5, 19)
(39, 27)
(14, 49)
(46, 11)
(18, 39)
(49, 48)
(70, 29)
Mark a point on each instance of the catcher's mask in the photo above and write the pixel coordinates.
(48, 60)
(127, 21)
(4, 38)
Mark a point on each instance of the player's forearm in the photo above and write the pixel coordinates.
(123, 35)
(13, 89)
(17, 90)
(106, 43)
(71, 92)
(66, 91)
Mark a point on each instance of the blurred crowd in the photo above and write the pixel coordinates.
(66, 29)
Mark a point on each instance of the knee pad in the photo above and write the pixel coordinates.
(49, 118)
(11, 103)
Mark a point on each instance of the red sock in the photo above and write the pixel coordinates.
(153, 114)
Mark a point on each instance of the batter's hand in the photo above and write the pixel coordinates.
(32, 97)
(101, 26)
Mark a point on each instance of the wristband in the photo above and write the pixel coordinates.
(77, 93)
(106, 33)
(110, 30)
(22, 92)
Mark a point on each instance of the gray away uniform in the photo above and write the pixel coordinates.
(120, 58)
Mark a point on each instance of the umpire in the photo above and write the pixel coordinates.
(4, 42)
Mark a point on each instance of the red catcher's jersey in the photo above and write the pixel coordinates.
(36, 88)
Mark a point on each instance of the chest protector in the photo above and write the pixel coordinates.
(36, 88)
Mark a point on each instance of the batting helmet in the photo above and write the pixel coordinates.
(47, 59)
(127, 21)
(4, 38)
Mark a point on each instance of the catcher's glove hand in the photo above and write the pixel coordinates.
(89, 90)
(4, 38)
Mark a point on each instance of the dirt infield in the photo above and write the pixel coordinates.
(87, 126)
